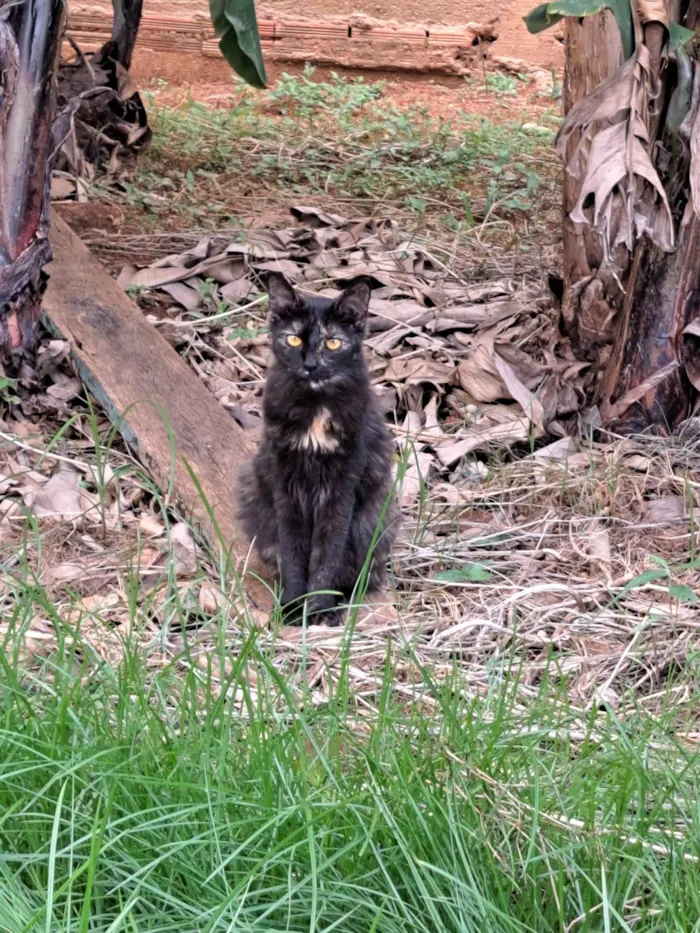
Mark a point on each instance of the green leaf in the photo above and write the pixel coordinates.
(649, 576)
(547, 14)
(655, 559)
(682, 593)
(678, 36)
(470, 573)
(540, 19)
(237, 28)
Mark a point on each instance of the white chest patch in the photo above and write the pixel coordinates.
(319, 437)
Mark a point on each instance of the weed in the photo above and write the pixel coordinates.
(501, 83)
(8, 391)
(340, 139)
(146, 799)
(341, 97)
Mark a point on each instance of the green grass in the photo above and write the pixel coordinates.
(140, 797)
(339, 140)
(133, 799)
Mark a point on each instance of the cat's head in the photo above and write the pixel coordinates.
(319, 340)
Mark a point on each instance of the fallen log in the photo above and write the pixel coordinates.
(173, 424)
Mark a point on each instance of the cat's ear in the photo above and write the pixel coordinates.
(283, 299)
(353, 303)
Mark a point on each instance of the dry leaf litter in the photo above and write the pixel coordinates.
(534, 553)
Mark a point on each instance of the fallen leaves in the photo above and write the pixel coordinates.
(613, 158)
(63, 498)
(183, 548)
(464, 365)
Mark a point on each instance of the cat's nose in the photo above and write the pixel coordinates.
(311, 363)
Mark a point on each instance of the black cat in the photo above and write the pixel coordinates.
(313, 495)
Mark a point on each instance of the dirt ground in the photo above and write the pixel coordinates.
(174, 79)
(544, 527)
(179, 82)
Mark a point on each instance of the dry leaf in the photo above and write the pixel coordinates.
(598, 544)
(291, 270)
(236, 292)
(189, 298)
(665, 511)
(315, 217)
(378, 612)
(63, 499)
(431, 425)
(522, 395)
(147, 558)
(99, 603)
(410, 429)
(695, 153)
(614, 160)
(62, 188)
(415, 476)
(210, 600)
(417, 372)
(65, 389)
(65, 572)
(612, 410)
(559, 450)
(150, 526)
(478, 375)
(637, 462)
(484, 435)
(183, 548)
(690, 350)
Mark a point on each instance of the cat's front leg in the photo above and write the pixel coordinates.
(294, 555)
(328, 552)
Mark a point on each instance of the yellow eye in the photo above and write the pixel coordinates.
(293, 340)
(333, 343)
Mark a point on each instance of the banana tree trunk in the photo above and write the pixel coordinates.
(30, 37)
(593, 291)
(644, 383)
(627, 316)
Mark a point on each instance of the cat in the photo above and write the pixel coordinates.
(314, 494)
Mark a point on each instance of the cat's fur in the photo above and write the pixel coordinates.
(313, 494)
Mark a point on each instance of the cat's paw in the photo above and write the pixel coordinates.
(292, 611)
(293, 594)
(320, 609)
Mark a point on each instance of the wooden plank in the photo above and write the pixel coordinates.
(160, 404)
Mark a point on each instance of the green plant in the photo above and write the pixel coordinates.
(668, 574)
(8, 391)
(501, 83)
(175, 796)
(339, 138)
(300, 94)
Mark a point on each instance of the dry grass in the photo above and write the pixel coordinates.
(509, 748)
(544, 563)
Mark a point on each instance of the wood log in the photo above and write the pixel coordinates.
(192, 447)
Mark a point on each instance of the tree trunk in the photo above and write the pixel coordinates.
(593, 291)
(627, 317)
(663, 296)
(30, 37)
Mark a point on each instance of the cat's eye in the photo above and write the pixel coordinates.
(333, 343)
(294, 341)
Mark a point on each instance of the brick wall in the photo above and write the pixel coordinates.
(445, 36)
